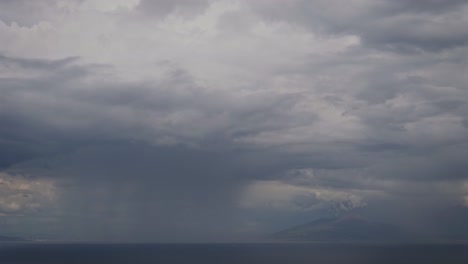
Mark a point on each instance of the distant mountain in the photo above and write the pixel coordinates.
(345, 229)
(12, 239)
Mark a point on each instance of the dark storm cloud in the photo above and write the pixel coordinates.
(23, 135)
(400, 26)
(195, 126)
(139, 185)
(189, 179)
(55, 96)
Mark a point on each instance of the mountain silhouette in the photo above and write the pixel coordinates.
(345, 228)
(12, 239)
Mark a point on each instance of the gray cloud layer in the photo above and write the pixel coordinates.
(215, 120)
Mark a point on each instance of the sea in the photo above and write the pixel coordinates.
(261, 253)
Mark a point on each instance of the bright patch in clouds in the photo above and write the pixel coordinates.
(25, 195)
(277, 195)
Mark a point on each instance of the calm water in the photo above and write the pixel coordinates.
(232, 253)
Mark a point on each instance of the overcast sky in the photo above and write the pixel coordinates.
(199, 120)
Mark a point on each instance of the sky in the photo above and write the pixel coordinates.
(224, 120)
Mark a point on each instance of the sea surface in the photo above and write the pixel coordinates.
(42, 253)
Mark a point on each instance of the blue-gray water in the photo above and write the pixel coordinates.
(231, 253)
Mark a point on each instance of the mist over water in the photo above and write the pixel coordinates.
(232, 253)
